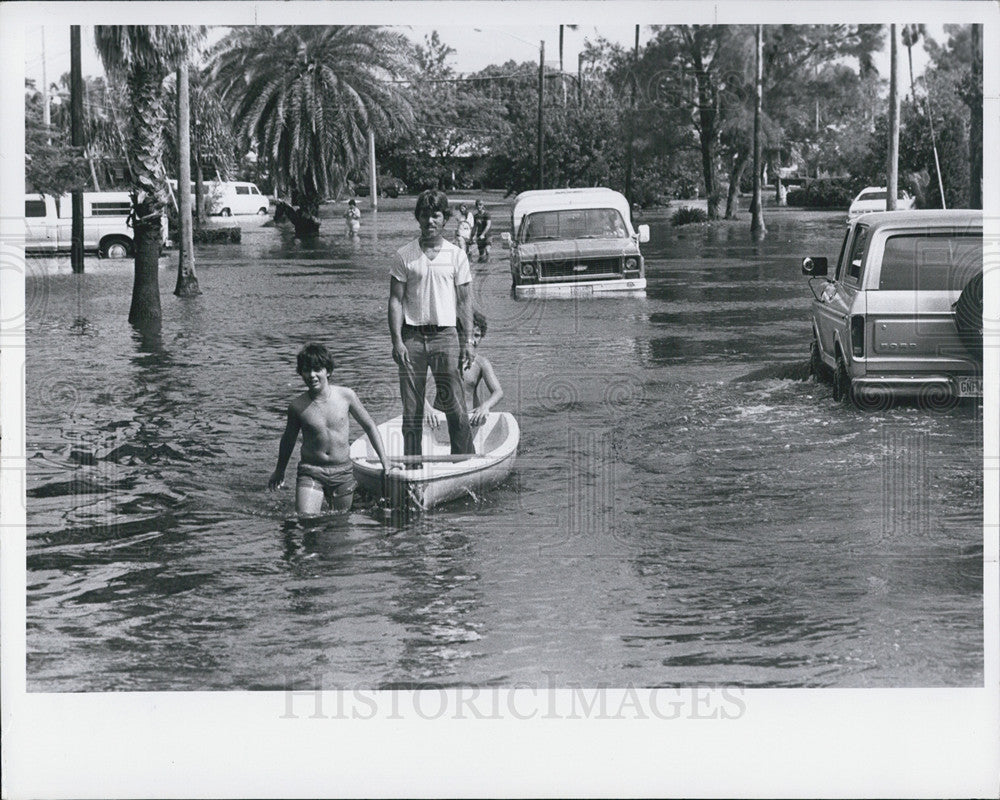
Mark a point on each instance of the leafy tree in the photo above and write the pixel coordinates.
(142, 56)
(451, 117)
(51, 166)
(307, 96)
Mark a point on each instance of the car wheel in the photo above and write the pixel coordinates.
(262, 212)
(819, 370)
(116, 247)
(841, 382)
(225, 213)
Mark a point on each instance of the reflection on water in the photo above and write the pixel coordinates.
(685, 509)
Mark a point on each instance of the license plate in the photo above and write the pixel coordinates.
(579, 291)
(970, 387)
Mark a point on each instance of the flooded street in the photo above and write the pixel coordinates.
(685, 507)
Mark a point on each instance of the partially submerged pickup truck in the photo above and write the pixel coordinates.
(48, 224)
(902, 313)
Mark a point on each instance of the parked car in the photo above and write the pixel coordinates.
(874, 198)
(575, 242)
(48, 224)
(902, 313)
(388, 186)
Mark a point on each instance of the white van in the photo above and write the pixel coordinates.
(227, 198)
(574, 242)
(48, 224)
(238, 197)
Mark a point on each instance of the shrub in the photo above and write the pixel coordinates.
(688, 215)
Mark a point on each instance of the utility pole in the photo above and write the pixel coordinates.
(541, 98)
(892, 158)
(757, 226)
(631, 119)
(76, 133)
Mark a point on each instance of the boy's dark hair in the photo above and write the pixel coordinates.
(312, 356)
(479, 320)
(432, 200)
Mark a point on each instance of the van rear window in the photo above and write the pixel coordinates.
(931, 262)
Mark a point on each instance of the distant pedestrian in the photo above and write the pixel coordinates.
(352, 217)
(428, 301)
(482, 226)
(463, 234)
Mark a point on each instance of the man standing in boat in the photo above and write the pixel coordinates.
(428, 304)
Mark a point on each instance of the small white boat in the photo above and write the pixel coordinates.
(440, 476)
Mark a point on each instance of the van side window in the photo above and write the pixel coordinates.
(242, 190)
(110, 209)
(854, 261)
(930, 262)
(253, 190)
(34, 208)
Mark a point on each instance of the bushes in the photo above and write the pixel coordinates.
(827, 193)
(688, 215)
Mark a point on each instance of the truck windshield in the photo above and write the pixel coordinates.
(575, 223)
(930, 262)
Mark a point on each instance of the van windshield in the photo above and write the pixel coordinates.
(575, 223)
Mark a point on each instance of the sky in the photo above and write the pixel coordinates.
(475, 47)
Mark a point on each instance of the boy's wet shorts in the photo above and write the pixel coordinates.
(335, 480)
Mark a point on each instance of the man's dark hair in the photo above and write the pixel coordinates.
(432, 200)
(312, 356)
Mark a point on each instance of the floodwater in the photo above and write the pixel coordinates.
(685, 508)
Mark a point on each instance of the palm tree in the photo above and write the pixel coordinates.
(142, 56)
(305, 98)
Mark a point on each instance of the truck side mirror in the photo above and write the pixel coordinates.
(815, 266)
(505, 239)
(643, 234)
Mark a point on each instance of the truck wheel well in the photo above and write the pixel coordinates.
(109, 241)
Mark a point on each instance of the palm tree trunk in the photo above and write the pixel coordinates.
(146, 146)
(892, 157)
(187, 280)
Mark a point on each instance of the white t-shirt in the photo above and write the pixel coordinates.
(429, 298)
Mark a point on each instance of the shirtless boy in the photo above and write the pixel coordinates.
(321, 413)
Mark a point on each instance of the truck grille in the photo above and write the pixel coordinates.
(569, 268)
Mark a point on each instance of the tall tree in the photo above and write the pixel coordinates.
(187, 280)
(307, 97)
(143, 55)
(973, 96)
(756, 206)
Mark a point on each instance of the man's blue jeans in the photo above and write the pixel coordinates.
(436, 350)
